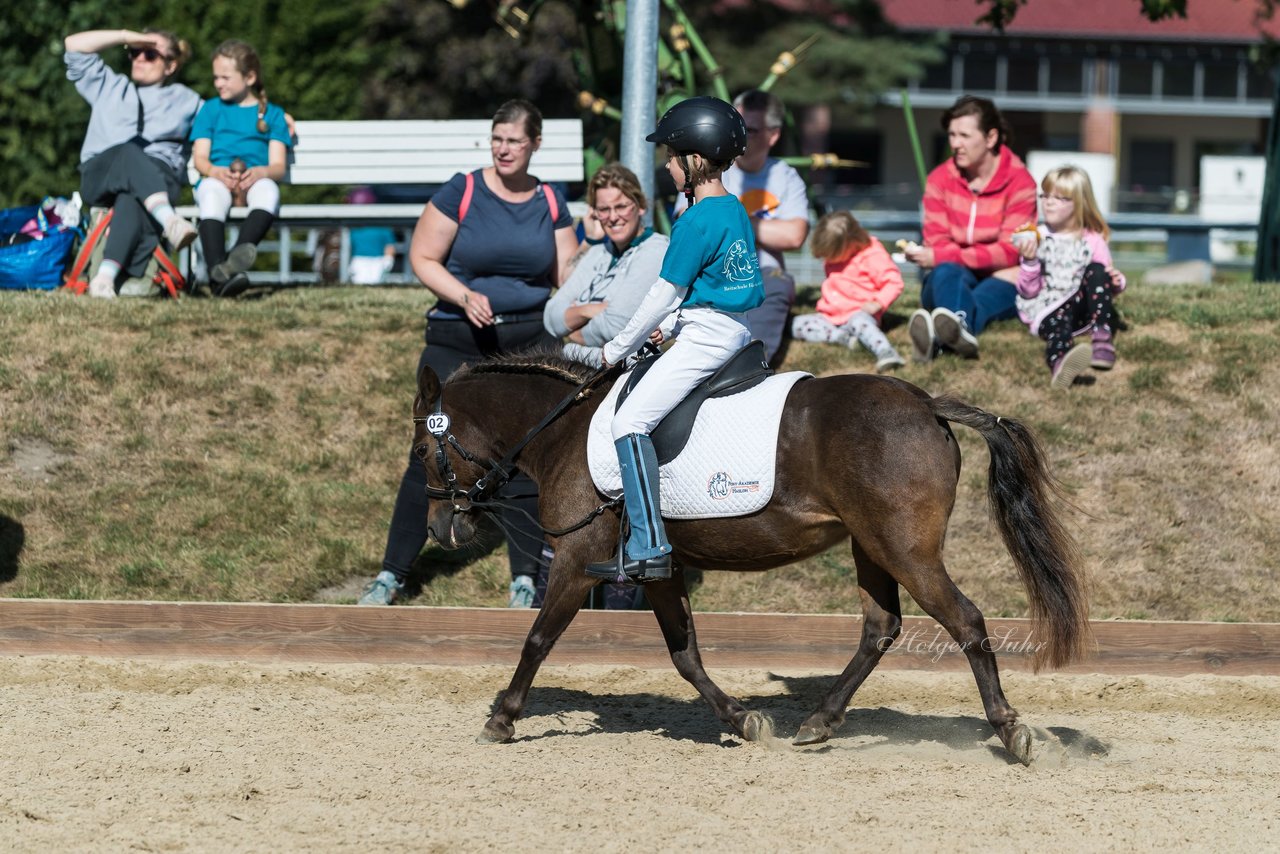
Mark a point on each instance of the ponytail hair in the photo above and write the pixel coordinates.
(247, 62)
(179, 49)
(518, 110)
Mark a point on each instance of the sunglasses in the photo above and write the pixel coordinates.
(150, 54)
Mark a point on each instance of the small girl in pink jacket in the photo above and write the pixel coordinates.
(1066, 283)
(862, 281)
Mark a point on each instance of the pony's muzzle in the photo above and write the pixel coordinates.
(451, 527)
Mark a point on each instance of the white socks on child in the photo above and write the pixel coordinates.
(103, 284)
(157, 204)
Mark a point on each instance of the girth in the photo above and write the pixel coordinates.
(747, 368)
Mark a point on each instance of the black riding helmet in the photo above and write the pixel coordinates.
(708, 126)
(702, 125)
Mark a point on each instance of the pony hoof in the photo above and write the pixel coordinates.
(809, 734)
(495, 733)
(1018, 743)
(756, 727)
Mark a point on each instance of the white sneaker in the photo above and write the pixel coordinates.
(102, 287)
(920, 328)
(179, 233)
(889, 362)
(953, 333)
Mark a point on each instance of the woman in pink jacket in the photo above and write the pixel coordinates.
(972, 204)
(862, 281)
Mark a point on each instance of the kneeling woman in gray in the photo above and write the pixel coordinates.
(613, 275)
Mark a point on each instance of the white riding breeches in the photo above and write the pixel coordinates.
(705, 340)
(214, 198)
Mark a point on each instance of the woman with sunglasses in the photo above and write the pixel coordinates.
(491, 245)
(619, 261)
(134, 157)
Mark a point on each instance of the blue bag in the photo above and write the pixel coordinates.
(33, 264)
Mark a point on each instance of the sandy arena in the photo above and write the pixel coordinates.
(111, 755)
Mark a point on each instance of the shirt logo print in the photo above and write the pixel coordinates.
(739, 263)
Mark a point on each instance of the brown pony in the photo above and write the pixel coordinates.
(867, 460)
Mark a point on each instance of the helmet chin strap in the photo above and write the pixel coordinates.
(688, 177)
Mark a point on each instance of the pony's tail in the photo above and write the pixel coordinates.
(1019, 490)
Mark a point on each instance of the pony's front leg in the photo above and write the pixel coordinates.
(566, 591)
(670, 602)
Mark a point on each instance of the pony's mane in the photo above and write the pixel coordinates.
(544, 361)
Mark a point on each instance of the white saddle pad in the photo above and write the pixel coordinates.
(727, 467)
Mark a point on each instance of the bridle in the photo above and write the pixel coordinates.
(437, 424)
(497, 474)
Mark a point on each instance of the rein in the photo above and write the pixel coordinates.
(497, 473)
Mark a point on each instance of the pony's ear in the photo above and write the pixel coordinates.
(428, 385)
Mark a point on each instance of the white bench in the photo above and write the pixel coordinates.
(350, 153)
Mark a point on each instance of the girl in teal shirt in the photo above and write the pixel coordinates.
(240, 148)
(709, 279)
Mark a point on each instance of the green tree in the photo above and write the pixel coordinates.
(856, 56)
(435, 61)
(312, 54)
(430, 59)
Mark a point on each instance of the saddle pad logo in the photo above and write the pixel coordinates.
(721, 485)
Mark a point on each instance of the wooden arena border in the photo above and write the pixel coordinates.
(471, 636)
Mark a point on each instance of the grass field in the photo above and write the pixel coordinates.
(250, 450)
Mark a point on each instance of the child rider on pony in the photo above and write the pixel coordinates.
(709, 280)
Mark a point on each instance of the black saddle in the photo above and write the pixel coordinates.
(747, 368)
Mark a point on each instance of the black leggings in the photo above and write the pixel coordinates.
(1090, 308)
(449, 344)
(121, 178)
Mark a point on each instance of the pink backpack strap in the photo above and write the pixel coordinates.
(551, 203)
(466, 197)
(471, 187)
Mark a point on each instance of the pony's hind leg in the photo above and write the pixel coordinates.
(566, 590)
(938, 595)
(881, 623)
(670, 602)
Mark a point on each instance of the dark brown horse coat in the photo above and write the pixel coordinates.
(864, 459)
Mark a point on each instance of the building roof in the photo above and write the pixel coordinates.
(1207, 20)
